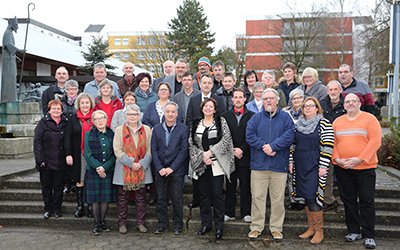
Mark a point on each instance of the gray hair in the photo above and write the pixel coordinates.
(172, 104)
(134, 107)
(106, 82)
(258, 85)
(337, 82)
(271, 72)
(272, 91)
(81, 96)
(296, 92)
(100, 65)
(71, 83)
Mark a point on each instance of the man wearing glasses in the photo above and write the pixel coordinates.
(352, 85)
(357, 139)
(269, 134)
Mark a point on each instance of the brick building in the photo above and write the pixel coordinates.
(322, 42)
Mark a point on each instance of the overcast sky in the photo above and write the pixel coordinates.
(226, 17)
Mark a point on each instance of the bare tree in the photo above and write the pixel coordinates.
(150, 51)
(376, 36)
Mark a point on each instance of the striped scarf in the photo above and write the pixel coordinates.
(134, 179)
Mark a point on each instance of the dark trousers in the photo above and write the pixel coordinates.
(170, 187)
(123, 202)
(211, 194)
(52, 183)
(359, 184)
(243, 174)
(196, 192)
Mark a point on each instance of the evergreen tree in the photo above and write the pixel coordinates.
(97, 52)
(189, 33)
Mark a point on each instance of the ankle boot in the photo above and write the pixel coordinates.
(89, 212)
(310, 230)
(318, 227)
(79, 198)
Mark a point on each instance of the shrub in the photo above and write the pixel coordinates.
(389, 153)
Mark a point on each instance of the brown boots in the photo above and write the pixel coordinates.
(318, 219)
(310, 230)
(315, 227)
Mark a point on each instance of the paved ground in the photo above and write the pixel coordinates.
(26, 238)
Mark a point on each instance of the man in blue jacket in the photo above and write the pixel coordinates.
(269, 134)
(169, 150)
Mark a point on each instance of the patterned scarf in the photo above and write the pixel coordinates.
(305, 126)
(134, 179)
(86, 124)
(144, 94)
(129, 80)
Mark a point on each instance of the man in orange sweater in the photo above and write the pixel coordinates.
(357, 140)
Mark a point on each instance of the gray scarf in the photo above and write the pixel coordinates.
(305, 126)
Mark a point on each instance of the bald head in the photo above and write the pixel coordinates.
(128, 69)
(352, 105)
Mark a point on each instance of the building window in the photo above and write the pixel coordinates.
(125, 41)
(152, 40)
(141, 41)
(125, 56)
(117, 41)
(161, 41)
(117, 56)
(141, 56)
(152, 56)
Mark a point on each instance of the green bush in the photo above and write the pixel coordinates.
(389, 153)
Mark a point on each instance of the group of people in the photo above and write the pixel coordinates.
(117, 140)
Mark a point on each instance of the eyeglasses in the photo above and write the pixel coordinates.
(297, 98)
(72, 89)
(132, 114)
(350, 101)
(163, 90)
(309, 106)
(99, 119)
(269, 98)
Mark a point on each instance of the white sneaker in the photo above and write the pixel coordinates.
(247, 219)
(227, 218)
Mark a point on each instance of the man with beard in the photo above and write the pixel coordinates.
(237, 118)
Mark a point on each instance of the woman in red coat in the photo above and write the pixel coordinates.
(107, 101)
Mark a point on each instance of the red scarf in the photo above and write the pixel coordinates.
(134, 179)
(86, 124)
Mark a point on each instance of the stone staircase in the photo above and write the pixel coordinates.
(21, 205)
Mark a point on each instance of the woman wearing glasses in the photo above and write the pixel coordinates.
(309, 165)
(99, 155)
(132, 169)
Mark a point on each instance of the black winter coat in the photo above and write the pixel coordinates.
(72, 142)
(48, 143)
(50, 94)
(238, 132)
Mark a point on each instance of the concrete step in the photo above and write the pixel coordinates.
(13, 194)
(382, 217)
(232, 230)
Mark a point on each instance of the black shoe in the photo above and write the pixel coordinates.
(159, 231)
(328, 207)
(57, 214)
(219, 234)
(193, 205)
(67, 190)
(96, 231)
(78, 211)
(177, 231)
(105, 228)
(204, 230)
(46, 215)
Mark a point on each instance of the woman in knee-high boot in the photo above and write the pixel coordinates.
(312, 153)
(78, 124)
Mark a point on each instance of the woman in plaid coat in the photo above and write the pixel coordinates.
(98, 152)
